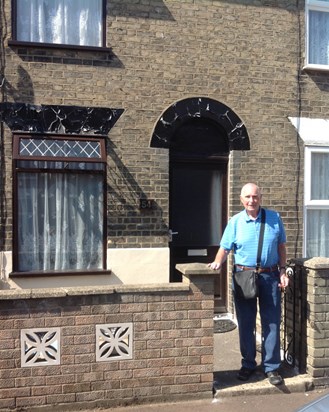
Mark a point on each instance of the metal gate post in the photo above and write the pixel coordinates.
(294, 318)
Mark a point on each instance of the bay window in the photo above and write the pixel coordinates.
(59, 203)
(64, 22)
(316, 202)
(317, 33)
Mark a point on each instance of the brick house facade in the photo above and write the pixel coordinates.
(172, 95)
(246, 56)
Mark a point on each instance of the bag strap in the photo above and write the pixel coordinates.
(261, 238)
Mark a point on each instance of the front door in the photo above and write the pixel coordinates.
(197, 215)
(198, 196)
(200, 133)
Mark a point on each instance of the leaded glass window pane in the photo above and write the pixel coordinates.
(59, 148)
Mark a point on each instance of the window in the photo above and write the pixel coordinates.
(316, 237)
(59, 203)
(66, 22)
(317, 29)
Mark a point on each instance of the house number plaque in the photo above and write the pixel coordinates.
(146, 204)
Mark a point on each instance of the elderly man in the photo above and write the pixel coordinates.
(241, 235)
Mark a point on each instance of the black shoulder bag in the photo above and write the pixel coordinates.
(246, 281)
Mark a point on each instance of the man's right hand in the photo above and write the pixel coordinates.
(214, 265)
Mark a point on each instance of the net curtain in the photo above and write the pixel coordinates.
(77, 22)
(317, 241)
(60, 221)
(318, 37)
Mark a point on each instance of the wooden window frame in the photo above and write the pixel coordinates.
(17, 169)
(15, 42)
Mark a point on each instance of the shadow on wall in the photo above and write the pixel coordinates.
(159, 11)
(124, 200)
(319, 78)
(103, 58)
(156, 10)
(24, 90)
(275, 4)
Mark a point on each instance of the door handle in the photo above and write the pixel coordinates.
(170, 234)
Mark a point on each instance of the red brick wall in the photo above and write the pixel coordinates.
(172, 346)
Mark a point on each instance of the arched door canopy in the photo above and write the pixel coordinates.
(200, 107)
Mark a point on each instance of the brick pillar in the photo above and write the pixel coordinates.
(317, 313)
(201, 280)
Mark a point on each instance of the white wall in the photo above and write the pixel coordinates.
(138, 266)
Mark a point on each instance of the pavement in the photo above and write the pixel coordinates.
(231, 395)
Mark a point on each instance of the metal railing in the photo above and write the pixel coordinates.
(294, 313)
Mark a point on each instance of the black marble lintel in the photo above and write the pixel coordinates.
(58, 119)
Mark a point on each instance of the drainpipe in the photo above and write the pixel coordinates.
(3, 35)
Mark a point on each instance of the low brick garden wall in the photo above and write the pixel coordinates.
(107, 346)
(316, 332)
(72, 348)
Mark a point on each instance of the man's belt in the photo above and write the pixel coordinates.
(260, 270)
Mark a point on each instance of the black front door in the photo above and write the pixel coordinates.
(197, 214)
(198, 196)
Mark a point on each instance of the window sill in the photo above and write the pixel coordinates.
(316, 67)
(73, 47)
(90, 272)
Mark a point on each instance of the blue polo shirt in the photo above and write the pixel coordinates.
(242, 233)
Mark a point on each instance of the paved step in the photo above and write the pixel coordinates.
(226, 384)
(227, 362)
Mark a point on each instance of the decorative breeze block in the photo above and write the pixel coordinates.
(114, 342)
(40, 347)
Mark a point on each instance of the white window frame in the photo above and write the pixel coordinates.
(316, 5)
(310, 204)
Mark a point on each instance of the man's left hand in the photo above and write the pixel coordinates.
(284, 281)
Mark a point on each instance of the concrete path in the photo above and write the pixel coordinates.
(232, 395)
(248, 403)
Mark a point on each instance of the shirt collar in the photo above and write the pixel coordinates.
(249, 219)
